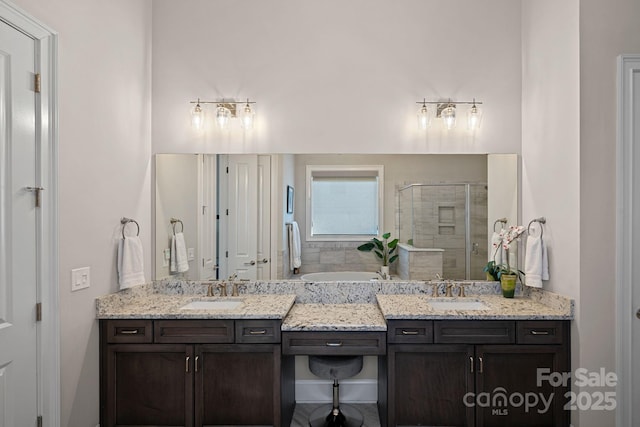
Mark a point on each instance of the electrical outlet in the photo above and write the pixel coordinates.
(191, 254)
(80, 278)
(166, 257)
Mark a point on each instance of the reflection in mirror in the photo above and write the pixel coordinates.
(236, 213)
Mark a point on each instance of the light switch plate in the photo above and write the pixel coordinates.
(166, 257)
(80, 278)
(191, 254)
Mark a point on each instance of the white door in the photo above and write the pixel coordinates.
(207, 218)
(628, 242)
(18, 235)
(243, 223)
(263, 257)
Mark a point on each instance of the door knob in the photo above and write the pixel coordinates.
(264, 261)
(252, 262)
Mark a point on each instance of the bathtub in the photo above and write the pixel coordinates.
(340, 276)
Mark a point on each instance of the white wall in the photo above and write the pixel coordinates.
(551, 144)
(607, 29)
(104, 169)
(336, 76)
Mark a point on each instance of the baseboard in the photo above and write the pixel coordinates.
(351, 391)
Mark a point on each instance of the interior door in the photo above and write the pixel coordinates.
(207, 217)
(242, 215)
(18, 232)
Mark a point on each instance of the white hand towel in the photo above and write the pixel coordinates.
(497, 253)
(295, 259)
(179, 261)
(130, 262)
(536, 263)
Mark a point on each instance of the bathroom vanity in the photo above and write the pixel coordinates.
(162, 364)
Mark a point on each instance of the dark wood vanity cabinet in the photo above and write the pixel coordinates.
(474, 373)
(194, 373)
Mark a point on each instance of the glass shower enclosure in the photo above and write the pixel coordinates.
(447, 216)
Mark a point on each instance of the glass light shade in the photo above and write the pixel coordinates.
(424, 118)
(197, 117)
(247, 118)
(222, 117)
(474, 117)
(448, 116)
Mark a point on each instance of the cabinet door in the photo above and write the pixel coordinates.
(508, 376)
(427, 384)
(148, 385)
(237, 384)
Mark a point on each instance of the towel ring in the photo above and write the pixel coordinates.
(124, 221)
(173, 224)
(501, 220)
(541, 220)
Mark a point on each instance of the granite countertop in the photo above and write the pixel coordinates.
(550, 307)
(161, 306)
(334, 317)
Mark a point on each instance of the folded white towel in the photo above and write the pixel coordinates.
(295, 258)
(497, 253)
(130, 262)
(536, 262)
(179, 261)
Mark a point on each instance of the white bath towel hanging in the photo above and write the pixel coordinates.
(179, 261)
(536, 262)
(130, 262)
(497, 253)
(295, 257)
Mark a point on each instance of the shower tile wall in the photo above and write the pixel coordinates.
(336, 256)
(434, 217)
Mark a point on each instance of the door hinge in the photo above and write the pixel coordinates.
(203, 262)
(39, 312)
(226, 254)
(39, 421)
(227, 212)
(227, 169)
(36, 83)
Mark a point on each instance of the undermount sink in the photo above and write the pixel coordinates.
(457, 304)
(226, 304)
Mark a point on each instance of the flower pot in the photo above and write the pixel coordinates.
(384, 270)
(508, 285)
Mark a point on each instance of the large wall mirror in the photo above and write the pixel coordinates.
(223, 214)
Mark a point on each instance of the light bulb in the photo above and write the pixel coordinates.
(424, 119)
(222, 117)
(197, 117)
(247, 117)
(474, 117)
(448, 116)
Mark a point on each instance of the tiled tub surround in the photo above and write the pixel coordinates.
(419, 263)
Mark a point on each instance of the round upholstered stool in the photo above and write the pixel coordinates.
(335, 368)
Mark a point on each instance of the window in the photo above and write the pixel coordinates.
(344, 202)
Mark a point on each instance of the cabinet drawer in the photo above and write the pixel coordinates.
(129, 331)
(541, 332)
(474, 332)
(193, 331)
(334, 343)
(410, 331)
(257, 331)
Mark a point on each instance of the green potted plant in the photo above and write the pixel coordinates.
(504, 272)
(384, 249)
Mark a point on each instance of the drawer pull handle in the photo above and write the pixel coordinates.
(471, 363)
(196, 363)
(481, 364)
(129, 331)
(539, 332)
(404, 332)
(334, 344)
(186, 364)
(259, 332)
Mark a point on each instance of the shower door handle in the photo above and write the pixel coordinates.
(475, 247)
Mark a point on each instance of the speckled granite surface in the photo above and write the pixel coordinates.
(161, 306)
(497, 307)
(334, 317)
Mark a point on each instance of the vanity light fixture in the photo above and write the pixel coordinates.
(225, 111)
(446, 110)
